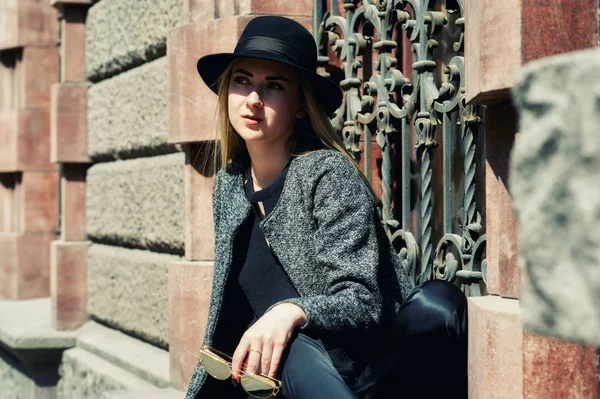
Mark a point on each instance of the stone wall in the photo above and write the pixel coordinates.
(137, 202)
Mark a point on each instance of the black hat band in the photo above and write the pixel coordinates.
(266, 44)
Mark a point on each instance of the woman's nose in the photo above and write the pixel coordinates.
(254, 99)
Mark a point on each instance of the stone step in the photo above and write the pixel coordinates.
(158, 393)
(142, 360)
(85, 375)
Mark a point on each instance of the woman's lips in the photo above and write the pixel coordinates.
(251, 120)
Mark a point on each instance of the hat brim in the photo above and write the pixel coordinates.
(327, 93)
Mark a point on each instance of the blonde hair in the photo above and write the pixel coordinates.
(232, 145)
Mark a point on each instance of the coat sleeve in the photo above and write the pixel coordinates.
(348, 250)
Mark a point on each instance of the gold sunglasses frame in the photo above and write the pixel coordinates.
(208, 351)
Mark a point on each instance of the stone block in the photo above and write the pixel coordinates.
(203, 10)
(10, 205)
(72, 225)
(300, 8)
(500, 36)
(85, 375)
(127, 289)
(189, 297)
(39, 207)
(33, 140)
(198, 10)
(501, 229)
(124, 124)
(558, 369)
(554, 174)
(199, 231)
(9, 140)
(68, 283)
(68, 123)
(73, 43)
(36, 70)
(191, 104)
(495, 348)
(122, 34)
(27, 23)
(25, 265)
(138, 203)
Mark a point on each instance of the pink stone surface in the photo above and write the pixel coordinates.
(202, 10)
(189, 295)
(68, 284)
(198, 10)
(191, 104)
(25, 265)
(500, 36)
(73, 202)
(39, 201)
(495, 348)
(27, 23)
(8, 138)
(8, 265)
(68, 123)
(199, 233)
(73, 44)
(36, 72)
(501, 229)
(555, 369)
(33, 130)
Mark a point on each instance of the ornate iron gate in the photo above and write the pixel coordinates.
(401, 66)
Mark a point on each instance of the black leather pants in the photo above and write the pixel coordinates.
(423, 356)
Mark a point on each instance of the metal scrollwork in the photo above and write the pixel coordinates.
(406, 98)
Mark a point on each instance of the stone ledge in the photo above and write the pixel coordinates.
(168, 393)
(25, 324)
(138, 358)
(85, 375)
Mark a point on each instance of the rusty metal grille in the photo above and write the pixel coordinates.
(404, 117)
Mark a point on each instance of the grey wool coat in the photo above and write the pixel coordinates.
(326, 233)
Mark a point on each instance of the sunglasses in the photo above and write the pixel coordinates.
(218, 365)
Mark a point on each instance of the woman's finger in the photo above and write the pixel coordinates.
(265, 361)
(278, 349)
(238, 359)
(253, 364)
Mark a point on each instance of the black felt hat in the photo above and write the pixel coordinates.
(277, 39)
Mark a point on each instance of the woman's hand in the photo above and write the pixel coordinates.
(265, 341)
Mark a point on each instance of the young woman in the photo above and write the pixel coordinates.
(307, 291)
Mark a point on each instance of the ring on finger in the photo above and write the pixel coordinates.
(255, 350)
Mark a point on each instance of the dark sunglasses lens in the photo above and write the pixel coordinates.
(258, 386)
(215, 366)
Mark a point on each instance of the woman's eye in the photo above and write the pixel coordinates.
(276, 86)
(241, 80)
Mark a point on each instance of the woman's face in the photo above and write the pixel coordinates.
(264, 100)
